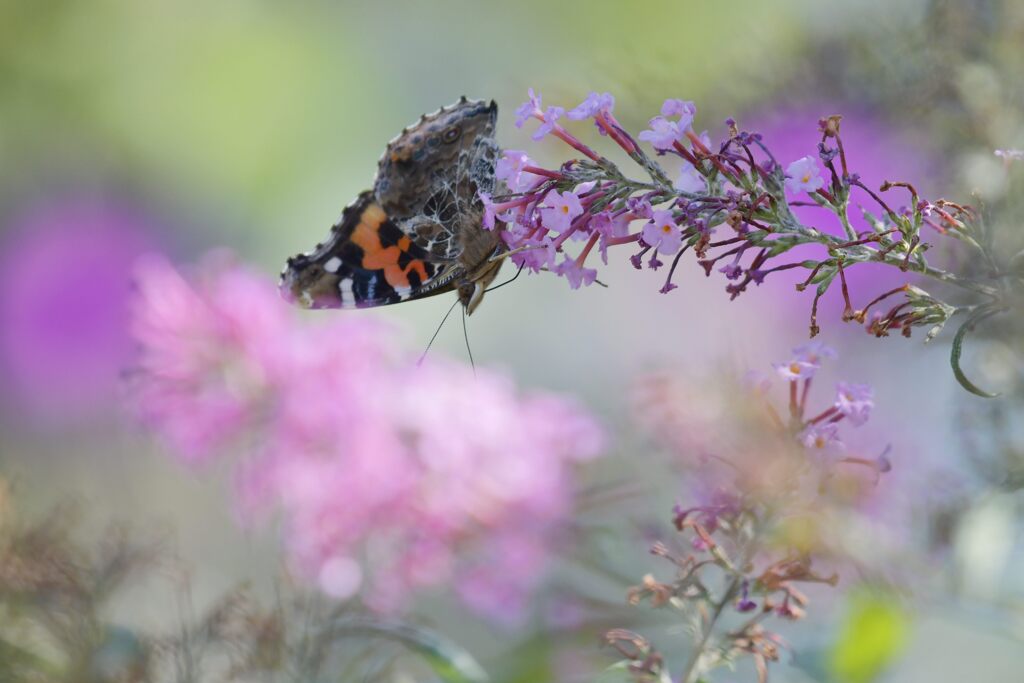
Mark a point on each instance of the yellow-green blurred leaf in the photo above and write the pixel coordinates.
(873, 635)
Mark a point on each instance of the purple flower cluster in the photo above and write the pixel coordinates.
(736, 186)
(760, 508)
(390, 478)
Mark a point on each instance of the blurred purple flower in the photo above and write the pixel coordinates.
(65, 281)
(855, 401)
(795, 369)
(822, 438)
(814, 352)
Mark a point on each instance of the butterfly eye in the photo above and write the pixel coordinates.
(450, 135)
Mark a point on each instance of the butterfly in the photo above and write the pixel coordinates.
(419, 231)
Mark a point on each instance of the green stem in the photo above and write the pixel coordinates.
(914, 266)
(851, 234)
(691, 673)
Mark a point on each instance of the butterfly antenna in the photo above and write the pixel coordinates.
(437, 332)
(508, 281)
(465, 335)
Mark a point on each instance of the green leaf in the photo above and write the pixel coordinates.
(449, 661)
(872, 636)
(958, 343)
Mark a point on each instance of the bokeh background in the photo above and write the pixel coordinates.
(130, 127)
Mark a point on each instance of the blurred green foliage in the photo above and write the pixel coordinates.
(872, 636)
(270, 117)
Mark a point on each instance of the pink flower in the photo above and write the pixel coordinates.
(684, 109)
(804, 175)
(594, 105)
(541, 254)
(532, 109)
(503, 596)
(549, 119)
(502, 211)
(510, 169)
(489, 210)
(662, 134)
(805, 361)
(640, 207)
(389, 479)
(609, 225)
(203, 355)
(855, 401)
(689, 180)
(814, 352)
(732, 270)
(795, 370)
(528, 109)
(576, 274)
(562, 208)
(662, 232)
(822, 439)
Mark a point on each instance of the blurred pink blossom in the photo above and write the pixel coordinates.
(389, 477)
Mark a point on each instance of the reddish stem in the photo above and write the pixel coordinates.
(586, 250)
(536, 170)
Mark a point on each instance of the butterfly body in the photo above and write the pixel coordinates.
(419, 231)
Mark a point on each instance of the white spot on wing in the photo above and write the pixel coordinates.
(332, 264)
(345, 292)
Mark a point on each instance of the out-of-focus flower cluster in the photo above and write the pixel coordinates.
(65, 283)
(389, 477)
(756, 523)
(740, 187)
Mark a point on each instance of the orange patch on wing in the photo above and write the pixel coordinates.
(377, 257)
(419, 267)
(398, 277)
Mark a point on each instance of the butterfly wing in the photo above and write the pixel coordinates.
(419, 231)
(430, 177)
(366, 261)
